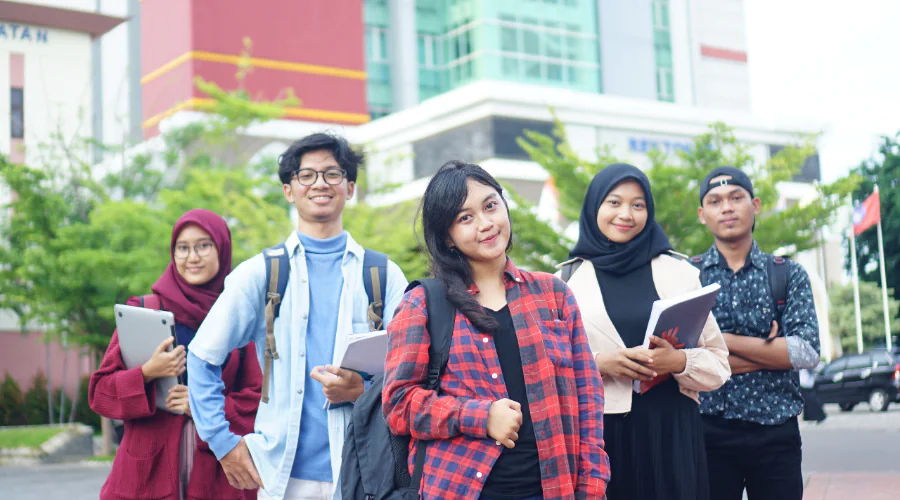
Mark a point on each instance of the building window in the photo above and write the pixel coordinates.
(662, 42)
(665, 84)
(377, 43)
(17, 113)
(548, 51)
(428, 53)
(661, 14)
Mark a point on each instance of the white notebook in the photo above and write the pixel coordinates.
(366, 352)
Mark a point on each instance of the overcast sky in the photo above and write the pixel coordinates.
(828, 60)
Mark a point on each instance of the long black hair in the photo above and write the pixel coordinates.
(444, 198)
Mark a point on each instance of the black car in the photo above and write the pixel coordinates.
(872, 376)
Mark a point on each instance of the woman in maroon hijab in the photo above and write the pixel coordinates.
(161, 456)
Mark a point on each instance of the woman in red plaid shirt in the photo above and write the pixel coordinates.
(519, 411)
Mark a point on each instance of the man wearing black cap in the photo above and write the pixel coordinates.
(752, 436)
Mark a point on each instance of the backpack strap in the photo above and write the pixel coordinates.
(569, 268)
(440, 324)
(779, 273)
(375, 281)
(278, 269)
(697, 261)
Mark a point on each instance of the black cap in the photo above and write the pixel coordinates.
(738, 178)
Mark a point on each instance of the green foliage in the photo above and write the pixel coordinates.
(83, 412)
(883, 170)
(842, 315)
(676, 181)
(11, 402)
(536, 244)
(35, 408)
(390, 230)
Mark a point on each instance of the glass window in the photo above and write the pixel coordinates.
(859, 361)
(17, 113)
(381, 45)
(882, 359)
(661, 14)
(571, 3)
(533, 69)
(573, 74)
(510, 66)
(553, 41)
(664, 84)
(421, 49)
(532, 42)
(509, 39)
(573, 48)
(835, 367)
(555, 72)
(428, 54)
(465, 43)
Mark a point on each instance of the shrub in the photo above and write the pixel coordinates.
(11, 402)
(36, 405)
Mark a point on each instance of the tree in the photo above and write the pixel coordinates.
(675, 182)
(842, 315)
(35, 408)
(11, 402)
(883, 170)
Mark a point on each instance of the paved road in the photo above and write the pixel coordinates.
(852, 455)
(51, 482)
(846, 443)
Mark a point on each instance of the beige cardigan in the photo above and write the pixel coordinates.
(707, 366)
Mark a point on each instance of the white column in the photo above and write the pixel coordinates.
(404, 55)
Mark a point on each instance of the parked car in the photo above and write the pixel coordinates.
(872, 377)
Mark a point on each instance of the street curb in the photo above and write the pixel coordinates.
(76, 442)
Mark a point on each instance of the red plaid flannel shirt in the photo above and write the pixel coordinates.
(565, 394)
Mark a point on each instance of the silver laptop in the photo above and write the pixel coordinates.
(140, 333)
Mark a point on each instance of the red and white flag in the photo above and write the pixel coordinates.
(867, 214)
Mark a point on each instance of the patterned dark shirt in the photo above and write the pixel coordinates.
(745, 307)
(565, 394)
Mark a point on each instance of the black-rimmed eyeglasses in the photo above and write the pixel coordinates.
(308, 176)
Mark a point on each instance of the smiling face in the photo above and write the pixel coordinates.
(320, 203)
(728, 211)
(623, 213)
(195, 268)
(481, 230)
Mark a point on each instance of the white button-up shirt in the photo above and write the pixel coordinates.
(238, 317)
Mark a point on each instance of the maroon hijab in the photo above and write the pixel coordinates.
(190, 303)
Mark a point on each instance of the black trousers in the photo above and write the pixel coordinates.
(764, 459)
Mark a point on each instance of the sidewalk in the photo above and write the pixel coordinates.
(853, 486)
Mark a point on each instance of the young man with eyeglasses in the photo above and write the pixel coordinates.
(296, 449)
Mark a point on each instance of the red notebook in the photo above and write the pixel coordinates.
(680, 320)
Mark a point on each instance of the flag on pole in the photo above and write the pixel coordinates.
(867, 214)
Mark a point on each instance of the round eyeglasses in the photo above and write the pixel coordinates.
(308, 176)
(203, 249)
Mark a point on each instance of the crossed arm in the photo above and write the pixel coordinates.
(750, 354)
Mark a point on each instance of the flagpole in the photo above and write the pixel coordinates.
(884, 296)
(855, 271)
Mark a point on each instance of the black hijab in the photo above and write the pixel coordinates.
(592, 245)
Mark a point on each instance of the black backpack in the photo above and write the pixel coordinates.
(375, 461)
(778, 272)
(278, 270)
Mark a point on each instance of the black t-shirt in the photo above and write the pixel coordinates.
(517, 472)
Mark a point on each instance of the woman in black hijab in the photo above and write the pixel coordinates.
(655, 439)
